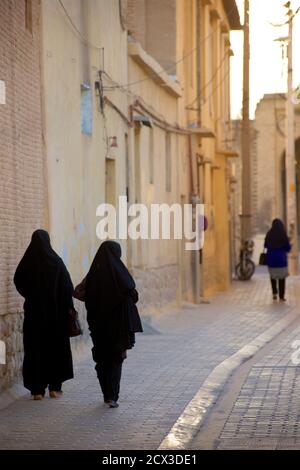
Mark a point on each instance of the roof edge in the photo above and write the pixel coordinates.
(232, 13)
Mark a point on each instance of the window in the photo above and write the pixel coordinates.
(168, 162)
(86, 109)
(28, 15)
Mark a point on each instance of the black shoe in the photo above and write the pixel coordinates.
(274, 297)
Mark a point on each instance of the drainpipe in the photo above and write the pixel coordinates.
(194, 199)
(198, 254)
(192, 190)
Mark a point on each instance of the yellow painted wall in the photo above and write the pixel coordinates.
(161, 261)
(76, 162)
(215, 115)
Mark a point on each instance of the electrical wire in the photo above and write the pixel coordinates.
(83, 39)
(135, 96)
(215, 88)
(209, 82)
(149, 77)
(139, 98)
(129, 92)
(279, 25)
(202, 41)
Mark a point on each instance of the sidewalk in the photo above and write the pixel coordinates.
(266, 412)
(161, 375)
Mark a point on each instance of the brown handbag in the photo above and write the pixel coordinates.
(79, 292)
(74, 327)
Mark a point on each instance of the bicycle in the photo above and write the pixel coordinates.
(245, 269)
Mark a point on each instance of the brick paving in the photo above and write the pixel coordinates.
(161, 375)
(266, 414)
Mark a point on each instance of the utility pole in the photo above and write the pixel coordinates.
(198, 254)
(246, 162)
(291, 204)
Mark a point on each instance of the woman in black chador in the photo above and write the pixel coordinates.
(42, 278)
(113, 318)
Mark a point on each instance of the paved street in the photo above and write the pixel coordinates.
(262, 411)
(164, 372)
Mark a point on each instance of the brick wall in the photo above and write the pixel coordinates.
(153, 24)
(161, 33)
(136, 20)
(22, 187)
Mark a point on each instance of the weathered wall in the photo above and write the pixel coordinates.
(137, 20)
(268, 178)
(22, 166)
(158, 288)
(267, 163)
(211, 176)
(76, 161)
(156, 263)
(270, 130)
(270, 127)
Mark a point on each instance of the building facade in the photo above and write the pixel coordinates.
(204, 28)
(194, 50)
(268, 187)
(163, 268)
(84, 43)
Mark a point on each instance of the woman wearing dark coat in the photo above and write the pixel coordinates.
(112, 316)
(278, 246)
(43, 280)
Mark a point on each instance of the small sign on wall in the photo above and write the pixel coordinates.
(2, 92)
(86, 109)
(2, 352)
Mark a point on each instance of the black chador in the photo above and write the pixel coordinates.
(43, 280)
(112, 315)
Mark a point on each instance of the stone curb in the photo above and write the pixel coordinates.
(192, 418)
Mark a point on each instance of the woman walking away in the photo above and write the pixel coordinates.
(42, 278)
(278, 245)
(112, 316)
